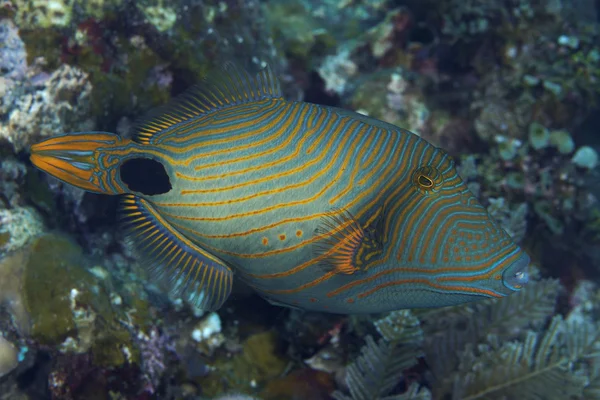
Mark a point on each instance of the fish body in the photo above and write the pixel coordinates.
(314, 207)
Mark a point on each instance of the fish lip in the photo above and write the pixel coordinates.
(516, 275)
(76, 158)
(61, 157)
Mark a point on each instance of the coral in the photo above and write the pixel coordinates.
(11, 280)
(261, 351)
(585, 157)
(501, 348)
(539, 136)
(562, 141)
(68, 308)
(336, 70)
(8, 356)
(161, 17)
(36, 14)
(259, 362)
(13, 58)
(12, 181)
(207, 327)
(17, 227)
(57, 103)
(153, 351)
(539, 184)
(393, 98)
(389, 35)
(451, 333)
(513, 221)
(296, 30)
(547, 364)
(43, 14)
(379, 368)
(207, 333)
(502, 86)
(499, 118)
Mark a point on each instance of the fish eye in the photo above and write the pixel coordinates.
(425, 181)
(145, 176)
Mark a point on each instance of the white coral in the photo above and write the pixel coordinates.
(61, 103)
(336, 70)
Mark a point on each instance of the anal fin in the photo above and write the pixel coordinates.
(345, 246)
(192, 273)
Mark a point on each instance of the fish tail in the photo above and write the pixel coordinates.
(80, 159)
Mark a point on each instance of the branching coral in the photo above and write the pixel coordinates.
(505, 348)
(553, 364)
(379, 368)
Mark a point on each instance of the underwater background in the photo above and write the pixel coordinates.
(510, 88)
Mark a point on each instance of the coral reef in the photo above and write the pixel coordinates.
(49, 104)
(17, 227)
(508, 88)
(13, 64)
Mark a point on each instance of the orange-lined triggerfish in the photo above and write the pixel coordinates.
(314, 207)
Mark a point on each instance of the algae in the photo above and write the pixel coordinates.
(259, 362)
(4, 239)
(68, 306)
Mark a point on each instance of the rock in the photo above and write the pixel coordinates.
(8, 357)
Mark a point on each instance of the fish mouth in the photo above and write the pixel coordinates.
(516, 275)
(72, 157)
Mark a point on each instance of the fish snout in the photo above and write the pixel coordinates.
(73, 158)
(516, 275)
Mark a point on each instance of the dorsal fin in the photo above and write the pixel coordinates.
(227, 87)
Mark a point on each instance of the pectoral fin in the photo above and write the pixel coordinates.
(345, 246)
(192, 273)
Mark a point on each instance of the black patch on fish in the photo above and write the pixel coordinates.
(146, 176)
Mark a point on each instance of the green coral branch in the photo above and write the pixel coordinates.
(379, 368)
(447, 337)
(400, 326)
(547, 365)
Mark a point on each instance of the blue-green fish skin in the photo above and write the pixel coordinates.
(315, 207)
